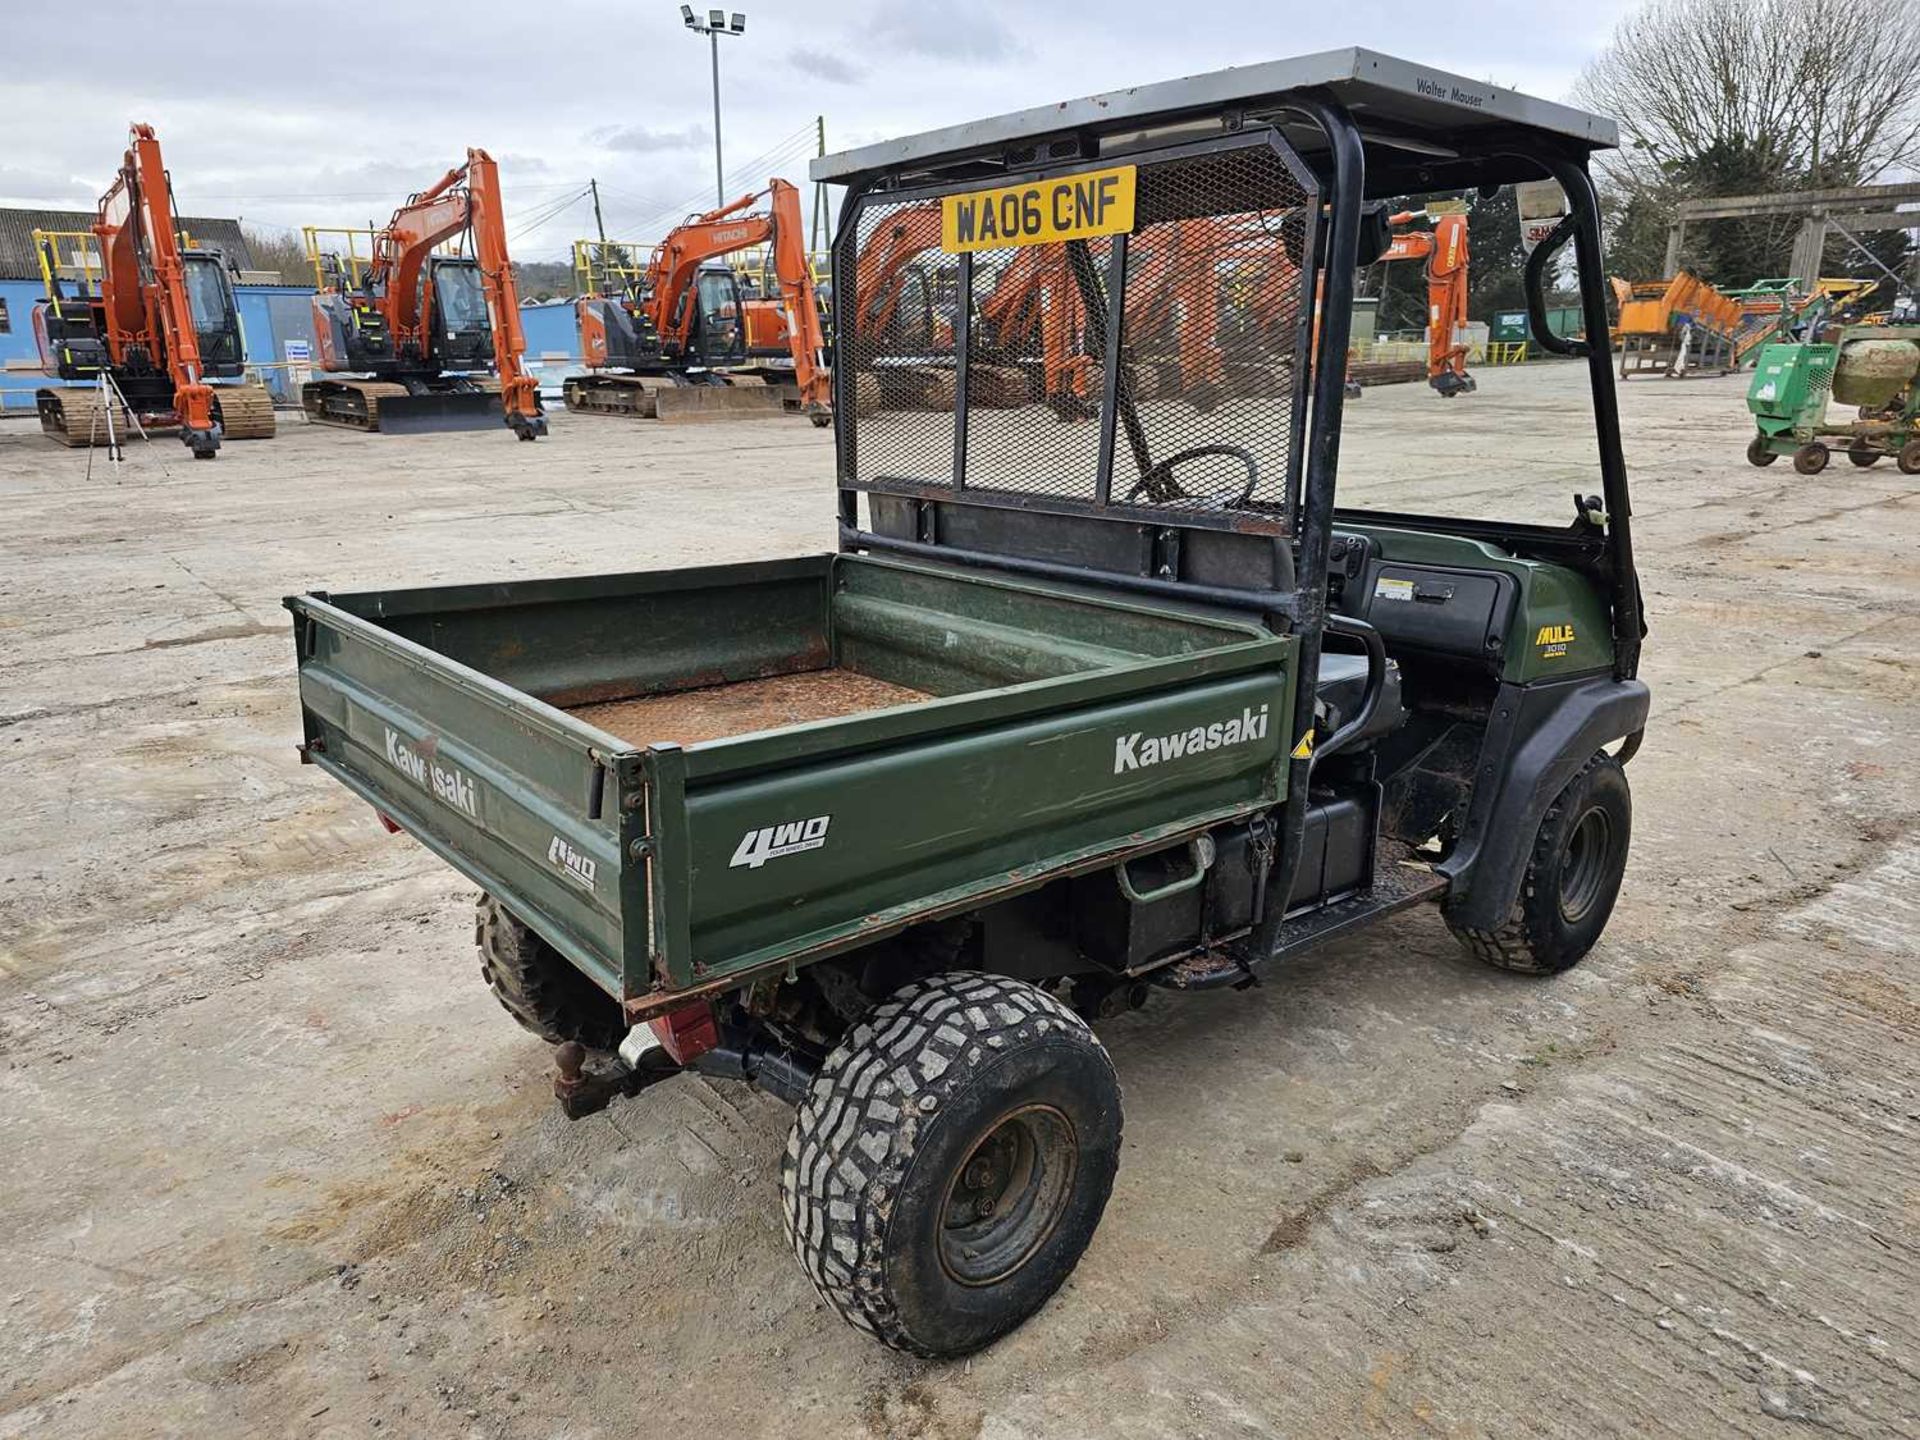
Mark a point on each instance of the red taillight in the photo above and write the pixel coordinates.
(688, 1032)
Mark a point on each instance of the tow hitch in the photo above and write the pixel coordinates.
(585, 1081)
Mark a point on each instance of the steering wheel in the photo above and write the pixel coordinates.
(1160, 487)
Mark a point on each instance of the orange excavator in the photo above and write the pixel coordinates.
(1030, 322)
(675, 343)
(1037, 298)
(422, 324)
(1025, 324)
(1444, 248)
(159, 322)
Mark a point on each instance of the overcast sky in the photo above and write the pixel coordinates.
(329, 114)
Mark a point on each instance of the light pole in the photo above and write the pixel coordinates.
(713, 25)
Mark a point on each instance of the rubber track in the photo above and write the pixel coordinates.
(857, 1132)
(83, 424)
(246, 412)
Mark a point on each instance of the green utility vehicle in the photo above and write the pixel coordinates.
(1092, 701)
(1875, 368)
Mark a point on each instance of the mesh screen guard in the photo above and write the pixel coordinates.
(1157, 374)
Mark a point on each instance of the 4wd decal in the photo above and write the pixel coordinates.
(1138, 750)
(575, 866)
(413, 759)
(756, 847)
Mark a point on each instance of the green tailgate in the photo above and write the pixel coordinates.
(1068, 730)
(515, 795)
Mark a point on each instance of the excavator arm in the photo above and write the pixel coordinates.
(1444, 248)
(465, 199)
(143, 284)
(882, 268)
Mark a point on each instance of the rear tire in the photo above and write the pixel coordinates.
(539, 987)
(1909, 458)
(1860, 455)
(951, 1161)
(1758, 452)
(1572, 879)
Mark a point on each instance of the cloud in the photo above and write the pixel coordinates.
(47, 185)
(240, 142)
(824, 65)
(640, 140)
(942, 32)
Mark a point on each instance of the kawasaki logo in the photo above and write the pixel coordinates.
(756, 847)
(1138, 751)
(452, 786)
(572, 863)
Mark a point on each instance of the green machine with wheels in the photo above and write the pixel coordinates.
(1875, 368)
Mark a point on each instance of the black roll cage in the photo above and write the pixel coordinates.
(1297, 598)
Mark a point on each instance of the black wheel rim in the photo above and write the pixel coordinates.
(1583, 875)
(1008, 1195)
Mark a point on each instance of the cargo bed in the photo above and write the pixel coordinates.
(682, 777)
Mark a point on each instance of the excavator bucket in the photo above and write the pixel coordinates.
(434, 414)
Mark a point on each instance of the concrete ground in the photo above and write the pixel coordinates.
(275, 1163)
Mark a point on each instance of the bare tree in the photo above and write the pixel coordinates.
(1718, 97)
(279, 250)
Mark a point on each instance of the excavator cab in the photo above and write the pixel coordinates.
(718, 337)
(461, 332)
(216, 315)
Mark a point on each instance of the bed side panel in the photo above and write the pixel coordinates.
(800, 856)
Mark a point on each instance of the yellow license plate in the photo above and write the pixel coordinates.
(1073, 207)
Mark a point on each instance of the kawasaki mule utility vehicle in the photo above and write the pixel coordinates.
(1085, 706)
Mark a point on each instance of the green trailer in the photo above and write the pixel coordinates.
(1874, 368)
(1090, 704)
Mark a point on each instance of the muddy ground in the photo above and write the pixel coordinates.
(276, 1164)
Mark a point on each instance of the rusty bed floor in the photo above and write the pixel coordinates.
(688, 717)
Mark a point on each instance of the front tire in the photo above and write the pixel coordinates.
(539, 986)
(951, 1161)
(1811, 458)
(1758, 452)
(1572, 878)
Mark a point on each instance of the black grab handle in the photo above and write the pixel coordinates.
(1537, 263)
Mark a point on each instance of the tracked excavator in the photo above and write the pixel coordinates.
(157, 319)
(407, 338)
(679, 343)
(1444, 249)
(1029, 335)
(1025, 331)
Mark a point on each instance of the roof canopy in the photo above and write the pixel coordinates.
(1424, 127)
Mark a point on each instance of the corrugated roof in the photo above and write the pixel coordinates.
(18, 262)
